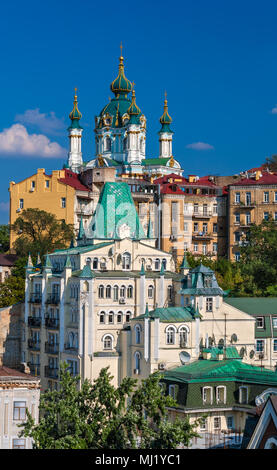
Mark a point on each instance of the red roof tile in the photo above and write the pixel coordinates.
(7, 372)
(7, 259)
(72, 179)
(266, 178)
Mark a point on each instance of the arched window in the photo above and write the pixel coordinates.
(137, 361)
(170, 293)
(164, 263)
(111, 317)
(107, 342)
(102, 317)
(119, 317)
(115, 293)
(108, 292)
(150, 292)
(95, 263)
(130, 292)
(101, 292)
(86, 286)
(126, 261)
(122, 292)
(108, 144)
(88, 261)
(183, 336)
(157, 264)
(138, 334)
(128, 316)
(170, 335)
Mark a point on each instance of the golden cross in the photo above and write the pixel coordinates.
(121, 47)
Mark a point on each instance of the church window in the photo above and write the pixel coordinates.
(130, 292)
(209, 304)
(108, 292)
(164, 263)
(111, 317)
(115, 293)
(102, 317)
(119, 317)
(150, 292)
(183, 336)
(137, 361)
(122, 292)
(128, 316)
(157, 264)
(95, 263)
(138, 334)
(108, 144)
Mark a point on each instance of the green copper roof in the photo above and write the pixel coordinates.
(227, 370)
(134, 111)
(185, 264)
(200, 281)
(75, 114)
(81, 232)
(79, 250)
(121, 85)
(165, 119)
(155, 161)
(230, 352)
(149, 229)
(86, 272)
(171, 314)
(116, 216)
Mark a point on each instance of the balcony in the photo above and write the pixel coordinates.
(53, 299)
(245, 205)
(52, 323)
(34, 345)
(34, 368)
(51, 348)
(34, 321)
(51, 372)
(70, 348)
(202, 214)
(202, 236)
(35, 298)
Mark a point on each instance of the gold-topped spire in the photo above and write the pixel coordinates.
(75, 113)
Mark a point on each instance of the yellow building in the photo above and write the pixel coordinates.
(60, 193)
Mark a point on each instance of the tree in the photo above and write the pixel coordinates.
(100, 416)
(40, 232)
(271, 163)
(4, 238)
(12, 291)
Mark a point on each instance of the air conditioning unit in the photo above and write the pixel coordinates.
(161, 366)
(103, 266)
(18, 210)
(32, 190)
(148, 267)
(136, 371)
(122, 300)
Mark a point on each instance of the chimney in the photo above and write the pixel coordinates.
(258, 175)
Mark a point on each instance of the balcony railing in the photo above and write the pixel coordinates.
(34, 368)
(247, 204)
(69, 348)
(35, 298)
(51, 372)
(34, 321)
(34, 345)
(52, 323)
(202, 236)
(202, 214)
(51, 348)
(53, 299)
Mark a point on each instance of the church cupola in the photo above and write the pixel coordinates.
(75, 160)
(121, 86)
(134, 111)
(165, 133)
(135, 150)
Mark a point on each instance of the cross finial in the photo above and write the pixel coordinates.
(165, 94)
(121, 48)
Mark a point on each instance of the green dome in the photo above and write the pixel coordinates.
(134, 111)
(75, 114)
(112, 114)
(165, 119)
(121, 85)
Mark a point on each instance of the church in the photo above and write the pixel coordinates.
(120, 136)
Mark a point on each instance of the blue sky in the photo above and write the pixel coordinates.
(216, 60)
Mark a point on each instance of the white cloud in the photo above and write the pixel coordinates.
(200, 146)
(274, 110)
(4, 206)
(16, 141)
(48, 123)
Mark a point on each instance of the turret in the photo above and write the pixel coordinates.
(165, 133)
(75, 160)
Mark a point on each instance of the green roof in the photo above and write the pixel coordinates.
(155, 161)
(78, 250)
(116, 208)
(171, 314)
(227, 370)
(254, 305)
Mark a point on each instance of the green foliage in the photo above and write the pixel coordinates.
(100, 416)
(40, 232)
(12, 291)
(4, 238)
(271, 162)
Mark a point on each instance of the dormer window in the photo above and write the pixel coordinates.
(208, 281)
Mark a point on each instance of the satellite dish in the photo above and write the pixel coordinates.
(184, 357)
(252, 354)
(242, 352)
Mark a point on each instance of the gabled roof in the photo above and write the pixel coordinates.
(72, 179)
(266, 178)
(254, 305)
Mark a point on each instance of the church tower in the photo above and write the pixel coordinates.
(75, 160)
(165, 133)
